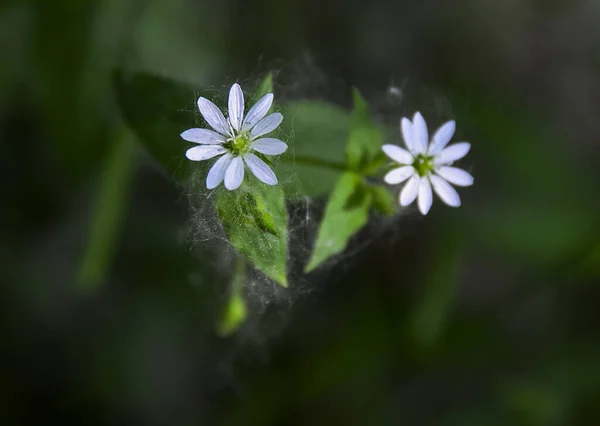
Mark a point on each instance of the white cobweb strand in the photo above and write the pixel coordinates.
(261, 294)
(304, 214)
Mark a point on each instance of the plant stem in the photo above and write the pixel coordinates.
(372, 170)
(310, 161)
(235, 311)
(240, 276)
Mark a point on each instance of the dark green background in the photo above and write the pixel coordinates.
(483, 315)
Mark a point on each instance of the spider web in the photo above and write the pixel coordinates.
(268, 304)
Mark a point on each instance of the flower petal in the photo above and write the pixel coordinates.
(445, 191)
(236, 106)
(452, 153)
(407, 133)
(425, 196)
(456, 176)
(398, 154)
(203, 136)
(257, 112)
(266, 125)
(420, 134)
(260, 169)
(234, 175)
(204, 152)
(410, 191)
(269, 146)
(213, 116)
(399, 175)
(441, 137)
(217, 171)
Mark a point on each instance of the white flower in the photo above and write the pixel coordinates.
(235, 138)
(427, 164)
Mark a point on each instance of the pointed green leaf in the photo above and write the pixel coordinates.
(383, 200)
(255, 219)
(364, 141)
(346, 213)
(159, 110)
(316, 133)
(264, 87)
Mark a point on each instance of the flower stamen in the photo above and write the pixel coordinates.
(239, 144)
(423, 164)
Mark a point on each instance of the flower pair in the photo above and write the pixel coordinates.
(235, 139)
(426, 164)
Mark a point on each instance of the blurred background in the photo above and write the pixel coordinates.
(483, 315)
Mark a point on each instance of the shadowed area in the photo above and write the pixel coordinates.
(115, 275)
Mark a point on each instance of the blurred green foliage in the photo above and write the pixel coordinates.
(109, 208)
(485, 314)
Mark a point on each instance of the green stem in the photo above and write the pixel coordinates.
(372, 170)
(240, 276)
(310, 161)
(235, 310)
(108, 213)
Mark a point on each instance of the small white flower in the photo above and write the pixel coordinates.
(426, 164)
(235, 138)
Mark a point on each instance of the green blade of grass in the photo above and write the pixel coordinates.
(108, 212)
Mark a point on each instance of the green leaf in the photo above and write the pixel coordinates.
(158, 110)
(235, 311)
(255, 219)
(264, 87)
(316, 133)
(346, 213)
(254, 207)
(364, 141)
(383, 200)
